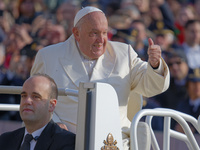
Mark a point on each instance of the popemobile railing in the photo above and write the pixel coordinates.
(18, 90)
(168, 114)
(95, 96)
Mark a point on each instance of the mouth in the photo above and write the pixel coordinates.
(98, 45)
(27, 110)
(97, 48)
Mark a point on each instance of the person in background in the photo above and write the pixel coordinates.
(161, 16)
(144, 8)
(65, 16)
(16, 39)
(191, 45)
(184, 14)
(88, 56)
(4, 98)
(27, 12)
(38, 101)
(165, 39)
(15, 75)
(175, 6)
(141, 41)
(191, 104)
(177, 91)
(178, 67)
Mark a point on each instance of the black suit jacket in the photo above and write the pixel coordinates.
(52, 138)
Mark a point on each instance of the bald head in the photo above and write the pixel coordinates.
(53, 89)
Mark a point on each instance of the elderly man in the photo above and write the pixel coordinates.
(88, 56)
(38, 101)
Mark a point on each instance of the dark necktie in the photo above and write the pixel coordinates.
(26, 144)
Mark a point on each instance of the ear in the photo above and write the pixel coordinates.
(52, 105)
(75, 31)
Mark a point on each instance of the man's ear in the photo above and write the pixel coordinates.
(75, 31)
(52, 105)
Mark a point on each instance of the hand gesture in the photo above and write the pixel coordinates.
(154, 52)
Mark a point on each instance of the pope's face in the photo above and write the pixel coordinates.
(92, 35)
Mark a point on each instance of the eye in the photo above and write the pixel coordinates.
(23, 96)
(36, 97)
(105, 33)
(93, 34)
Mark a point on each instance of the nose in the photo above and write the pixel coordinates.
(28, 100)
(100, 38)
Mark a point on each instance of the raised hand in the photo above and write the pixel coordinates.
(154, 52)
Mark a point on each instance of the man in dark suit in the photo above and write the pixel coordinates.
(38, 101)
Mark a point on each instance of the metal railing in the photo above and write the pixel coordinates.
(168, 114)
(18, 90)
(181, 118)
(88, 94)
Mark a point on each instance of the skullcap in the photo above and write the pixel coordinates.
(84, 11)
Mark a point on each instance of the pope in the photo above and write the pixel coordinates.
(88, 56)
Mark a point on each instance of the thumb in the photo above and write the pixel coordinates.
(150, 42)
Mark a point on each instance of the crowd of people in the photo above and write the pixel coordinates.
(26, 26)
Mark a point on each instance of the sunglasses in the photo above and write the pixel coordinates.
(176, 62)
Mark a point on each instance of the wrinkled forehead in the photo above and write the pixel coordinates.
(95, 16)
(94, 20)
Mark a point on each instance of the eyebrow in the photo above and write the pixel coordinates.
(35, 93)
(98, 30)
(22, 93)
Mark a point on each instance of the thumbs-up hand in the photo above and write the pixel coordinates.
(154, 52)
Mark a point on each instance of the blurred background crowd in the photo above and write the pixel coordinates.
(26, 26)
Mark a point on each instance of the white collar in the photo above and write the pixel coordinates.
(36, 133)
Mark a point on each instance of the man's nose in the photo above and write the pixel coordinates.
(100, 38)
(28, 100)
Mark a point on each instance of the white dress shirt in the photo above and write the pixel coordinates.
(88, 63)
(34, 134)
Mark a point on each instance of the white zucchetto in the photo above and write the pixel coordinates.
(84, 11)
